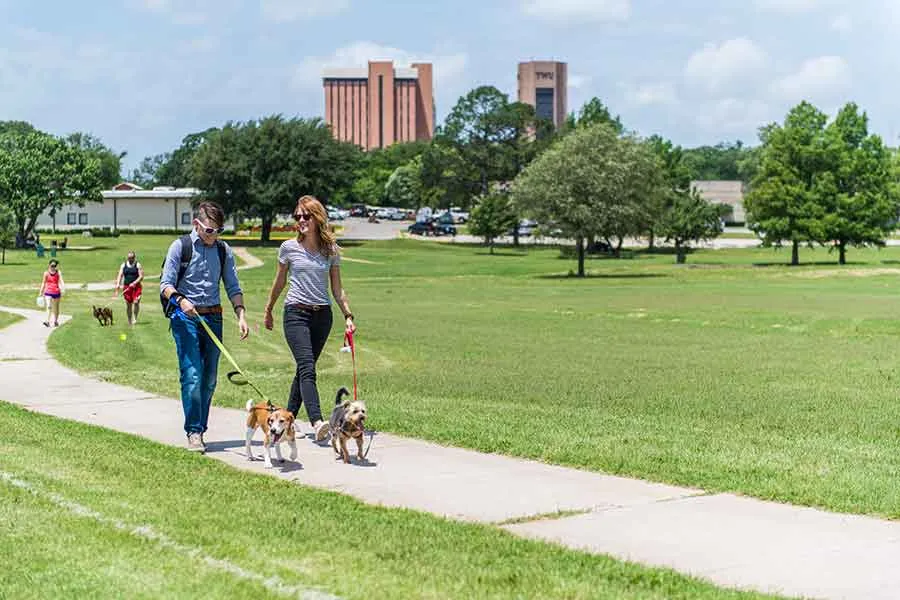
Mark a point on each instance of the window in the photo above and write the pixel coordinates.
(70, 218)
(543, 108)
(185, 218)
(82, 218)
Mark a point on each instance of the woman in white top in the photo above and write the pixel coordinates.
(310, 260)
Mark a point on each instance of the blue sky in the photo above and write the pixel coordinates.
(141, 74)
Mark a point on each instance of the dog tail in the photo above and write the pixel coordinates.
(249, 405)
(340, 394)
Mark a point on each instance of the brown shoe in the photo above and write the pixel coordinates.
(195, 443)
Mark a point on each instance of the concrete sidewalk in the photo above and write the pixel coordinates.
(726, 539)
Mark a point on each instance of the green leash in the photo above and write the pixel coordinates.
(233, 375)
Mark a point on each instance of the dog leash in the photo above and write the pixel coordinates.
(349, 343)
(238, 371)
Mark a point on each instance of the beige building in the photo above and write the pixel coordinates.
(129, 207)
(379, 105)
(724, 192)
(543, 85)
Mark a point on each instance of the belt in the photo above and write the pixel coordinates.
(310, 307)
(209, 310)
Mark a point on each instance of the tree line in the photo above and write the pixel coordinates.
(810, 180)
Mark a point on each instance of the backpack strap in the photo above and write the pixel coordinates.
(187, 250)
(220, 246)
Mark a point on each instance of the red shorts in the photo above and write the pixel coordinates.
(132, 294)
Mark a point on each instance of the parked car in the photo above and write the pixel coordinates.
(397, 214)
(359, 210)
(335, 215)
(525, 228)
(431, 227)
(459, 216)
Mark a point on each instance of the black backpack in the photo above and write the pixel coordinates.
(187, 250)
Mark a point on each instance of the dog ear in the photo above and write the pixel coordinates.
(346, 405)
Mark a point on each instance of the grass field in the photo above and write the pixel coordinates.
(80, 518)
(731, 373)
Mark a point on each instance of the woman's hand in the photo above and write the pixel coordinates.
(350, 326)
(268, 321)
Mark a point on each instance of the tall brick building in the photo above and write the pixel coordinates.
(543, 84)
(377, 106)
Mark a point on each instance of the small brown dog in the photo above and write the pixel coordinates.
(104, 315)
(348, 420)
(277, 425)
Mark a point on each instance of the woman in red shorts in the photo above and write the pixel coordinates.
(129, 279)
(51, 290)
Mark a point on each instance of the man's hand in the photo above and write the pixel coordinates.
(187, 307)
(268, 320)
(242, 325)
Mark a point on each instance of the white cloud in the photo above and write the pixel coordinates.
(735, 62)
(650, 94)
(577, 81)
(578, 11)
(817, 78)
(733, 116)
(188, 12)
(282, 11)
(789, 6)
(448, 68)
(842, 23)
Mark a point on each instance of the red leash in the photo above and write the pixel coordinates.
(348, 341)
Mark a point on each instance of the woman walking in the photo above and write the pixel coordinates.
(52, 286)
(129, 279)
(310, 261)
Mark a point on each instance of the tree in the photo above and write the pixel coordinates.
(145, 175)
(857, 188)
(687, 218)
(593, 112)
(110, 161)
(491, 217)
(377, 166)
(39, 172)
(404, 186)
(590, 183)
(676, 181)
(260, 168)
(785, 202)
(18, 127)
(7, 231)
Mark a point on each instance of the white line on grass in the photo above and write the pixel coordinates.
(273, 583)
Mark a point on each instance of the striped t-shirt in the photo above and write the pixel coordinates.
(308, 273)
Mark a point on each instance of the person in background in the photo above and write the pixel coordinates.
(52, 286)
(129, 279)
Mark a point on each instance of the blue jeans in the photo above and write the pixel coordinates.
(198, 361)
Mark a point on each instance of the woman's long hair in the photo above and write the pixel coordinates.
(327, 242)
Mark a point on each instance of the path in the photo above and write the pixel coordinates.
(730, 540)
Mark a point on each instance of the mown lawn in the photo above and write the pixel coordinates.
(90, 513)
(731, 373)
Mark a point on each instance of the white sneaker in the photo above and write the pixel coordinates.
(321, 431)
(194, 443)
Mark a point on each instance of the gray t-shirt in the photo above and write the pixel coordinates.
(308, 273)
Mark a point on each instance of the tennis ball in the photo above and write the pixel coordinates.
(123, 337)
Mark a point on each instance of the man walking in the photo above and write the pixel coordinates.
(190, 280)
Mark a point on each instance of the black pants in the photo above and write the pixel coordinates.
(306, 332)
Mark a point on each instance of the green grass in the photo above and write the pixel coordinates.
(8, 319)
(731, 373)
(91, 513)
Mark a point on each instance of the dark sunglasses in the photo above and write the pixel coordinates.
(303, 217)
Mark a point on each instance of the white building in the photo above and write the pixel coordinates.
(129, 207)
(724, 192)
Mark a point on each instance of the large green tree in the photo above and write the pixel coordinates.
(110, 160)
(785, 202)
(493, 137)
(593, 112)
(592, 183)
(259, 168)
(376, 167)
(404, 186)
(40, 172)
(857, 187)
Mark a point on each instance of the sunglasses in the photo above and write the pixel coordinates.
(303, 217)
(210, 230)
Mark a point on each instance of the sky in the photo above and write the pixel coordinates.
(142, 74)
